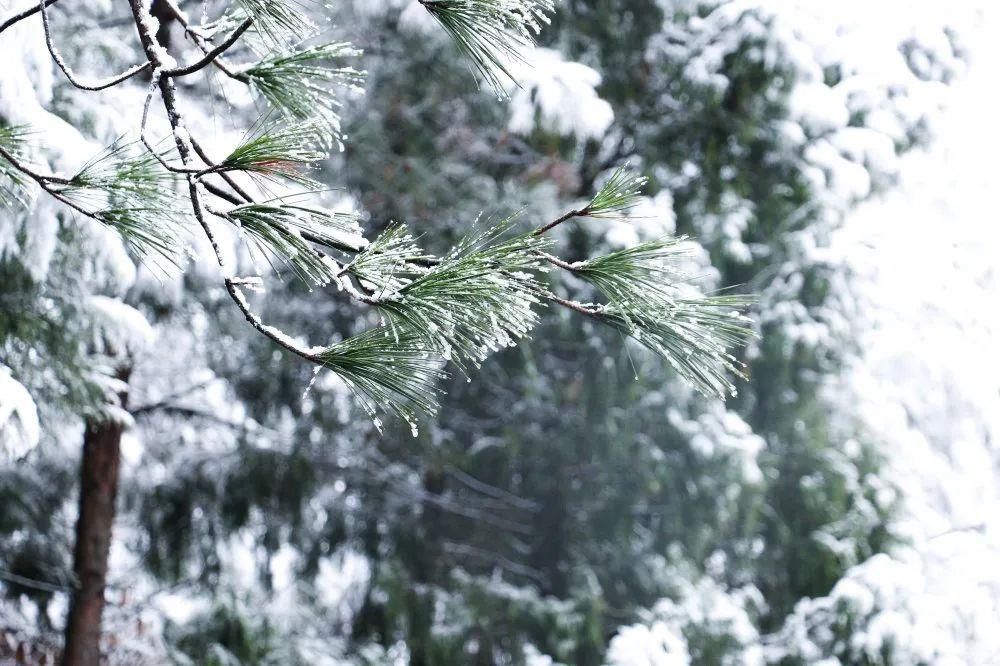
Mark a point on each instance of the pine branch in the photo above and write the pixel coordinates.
(278, 22)
(118, 188)
(299, 84)
(493, 34)
(283, 232)
(121, 173)
(390, 261)
(394, 371)
(12, 180)
(693, 336)
(277, 152)
(475, 300)
(647, 302)
(478, 300)
(619, 194)
(146, 231)
(639, 276)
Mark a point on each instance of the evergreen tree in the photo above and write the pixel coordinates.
(555, 507)
(428, 309)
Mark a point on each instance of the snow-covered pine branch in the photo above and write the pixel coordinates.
(493, 34)
(479, 298)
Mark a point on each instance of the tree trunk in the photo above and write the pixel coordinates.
(98, 490)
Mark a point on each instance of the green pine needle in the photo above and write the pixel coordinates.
(647, 301)
(388, 370)
(147, 231)
(278, 22)
(127, 189)
(693, 336)
(127, 173)
(299, 84)
(278, 152)
(478, 300)
(13, 183)
(620, 193)
(635, 277)
(278, 232)
(391, 260)
(493, 34)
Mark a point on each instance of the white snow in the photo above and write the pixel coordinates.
(654, 645)
(558, 96)
(929, 380)
(19, 428)
(120, 326)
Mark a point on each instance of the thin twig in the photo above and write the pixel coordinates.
(213, 54)
(589, 310)
(20, 16)
(199, 41)
(555, 223)
(79, 83)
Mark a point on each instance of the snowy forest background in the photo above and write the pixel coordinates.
(574, 502)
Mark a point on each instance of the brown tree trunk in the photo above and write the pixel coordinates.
(98, 490)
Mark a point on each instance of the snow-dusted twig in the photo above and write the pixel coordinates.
(213, 54)
(20, 16)
(61, 63)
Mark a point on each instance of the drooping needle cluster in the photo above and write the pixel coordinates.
(482, 296)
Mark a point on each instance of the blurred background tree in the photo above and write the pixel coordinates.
(577, 502)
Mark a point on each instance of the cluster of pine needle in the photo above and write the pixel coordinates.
(484, 295)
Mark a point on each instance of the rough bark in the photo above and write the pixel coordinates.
(98, 490)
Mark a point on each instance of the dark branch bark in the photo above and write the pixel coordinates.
(555, 223)
(213, 54)
(20, 16)
(80, 83)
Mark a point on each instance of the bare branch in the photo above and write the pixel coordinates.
(582, 308)
(79, 83)
(213, 54)
(232, 286)
(555, 223)
(20, 16)
(200, 40)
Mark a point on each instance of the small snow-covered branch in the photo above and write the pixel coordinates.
(61, 63)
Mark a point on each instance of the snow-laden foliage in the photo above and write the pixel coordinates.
(706, 624)
(480, 300)
(575, 502)
(558, 96)
(494, 34)
(19, 430)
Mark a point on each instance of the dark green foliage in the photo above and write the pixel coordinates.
(225, 636)
(44, 318)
